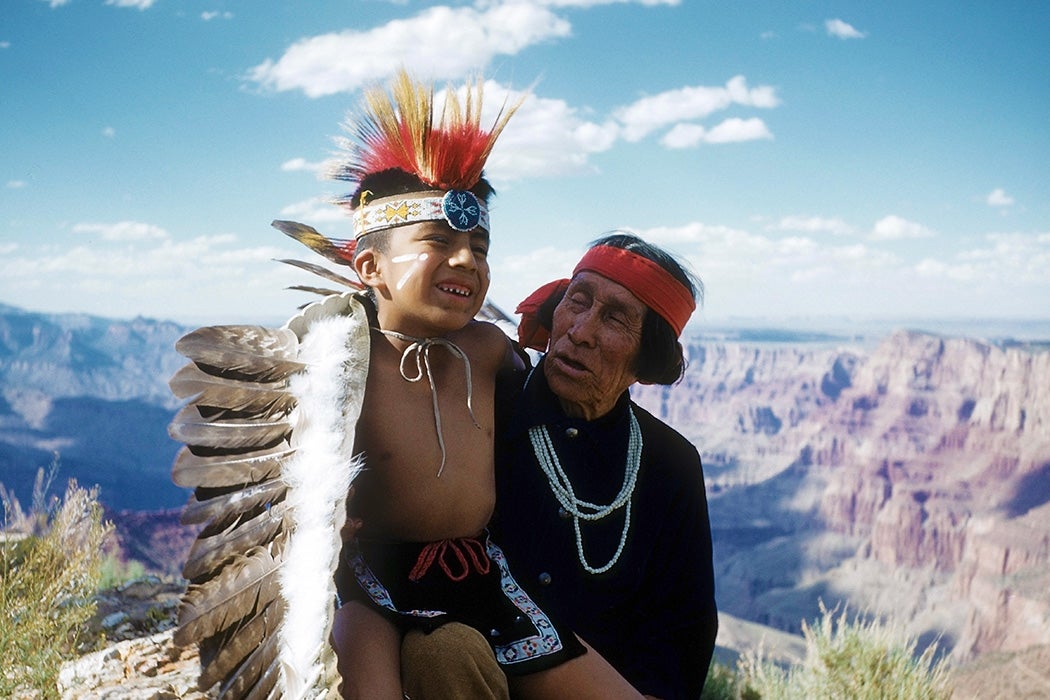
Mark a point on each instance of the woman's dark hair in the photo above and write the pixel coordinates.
(660, 357)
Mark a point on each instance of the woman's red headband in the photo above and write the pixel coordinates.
(652, 284)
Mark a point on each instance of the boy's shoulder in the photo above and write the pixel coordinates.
(482, 338)
(477, 331)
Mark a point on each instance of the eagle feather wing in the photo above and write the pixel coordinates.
(269, 494)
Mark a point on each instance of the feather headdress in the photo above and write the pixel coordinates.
(397, 131)
(406, 167)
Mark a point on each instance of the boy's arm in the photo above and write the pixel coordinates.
(492, 345)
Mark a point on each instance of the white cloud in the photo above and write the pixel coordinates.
(315, 209)
(596, 3)
(301, 164)
(1007, 261)
(732, 130)
(208, 277)
(893, 228)
(5, 44)
(109, 132)
(15, 184)
(683, 104)
(56, 3)
(440, 42)
(546, 137)
(209, 16)
(814, 224)
(684, 136)
(842, 30)
(136, 4)
(123, 231)
(753, 274)
(8, 248)
(999, 198)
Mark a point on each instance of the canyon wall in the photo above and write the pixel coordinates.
(909, 479)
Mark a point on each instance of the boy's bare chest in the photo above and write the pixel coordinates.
(401, 415)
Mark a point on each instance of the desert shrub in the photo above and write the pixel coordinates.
(723, 683)
(116, 571)
(860, 660)
(50, 565)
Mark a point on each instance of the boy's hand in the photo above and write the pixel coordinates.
(352, 524)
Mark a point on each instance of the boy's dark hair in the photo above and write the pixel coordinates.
(396, 181)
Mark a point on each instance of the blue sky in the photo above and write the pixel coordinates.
(809, 159)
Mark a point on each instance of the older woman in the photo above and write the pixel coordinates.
(600, 506)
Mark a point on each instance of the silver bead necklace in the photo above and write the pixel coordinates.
(583, 510)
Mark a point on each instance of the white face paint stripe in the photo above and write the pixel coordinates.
(419, 259)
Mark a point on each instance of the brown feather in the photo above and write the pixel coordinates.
(220, 507)
(324, 272)
(190, 427)
(256, 398)
(243, 352)
(216, 471)
(211, 549)
(267, 686)
(339, 251)
(228, 655)
(321, 291)
(241, 589)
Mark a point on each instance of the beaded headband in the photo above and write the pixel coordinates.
(460, 209)
(652, 284)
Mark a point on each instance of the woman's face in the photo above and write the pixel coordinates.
(595, 340)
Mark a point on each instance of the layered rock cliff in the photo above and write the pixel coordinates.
(910, 479)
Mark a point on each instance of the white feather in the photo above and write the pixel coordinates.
(318, 475)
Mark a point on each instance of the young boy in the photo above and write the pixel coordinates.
(422, 556)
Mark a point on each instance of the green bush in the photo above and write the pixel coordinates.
(50, 567)
(857, 660)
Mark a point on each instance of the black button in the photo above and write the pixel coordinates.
(564, 514)
(545, 579)
(571, 433)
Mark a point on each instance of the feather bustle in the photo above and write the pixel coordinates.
(252, 353)
(237, 446)
(210, 550)
(241, 588)
(218, 508)
(191, 427)
(268, 683)
(231, 396)
(194, 470)
(235, 653)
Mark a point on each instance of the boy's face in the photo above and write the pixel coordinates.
(431, 279)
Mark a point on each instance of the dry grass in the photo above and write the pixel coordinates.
(859, 660)
(50, 566)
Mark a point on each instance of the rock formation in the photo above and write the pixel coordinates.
(909, 479)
